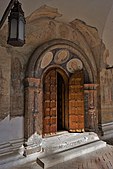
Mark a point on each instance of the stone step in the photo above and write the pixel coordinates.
(67, 141)
(59, 157)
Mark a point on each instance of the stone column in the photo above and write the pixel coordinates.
(91, 113)
(33, 114)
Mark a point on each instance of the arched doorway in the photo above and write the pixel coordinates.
(40, 65)
(63, 102)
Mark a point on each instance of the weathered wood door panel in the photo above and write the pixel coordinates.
(76, 102)
(50, 103)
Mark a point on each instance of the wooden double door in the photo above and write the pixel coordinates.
(63, 102)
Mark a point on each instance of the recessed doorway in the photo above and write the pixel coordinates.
(63, 102)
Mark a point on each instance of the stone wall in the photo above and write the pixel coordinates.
(106, 103)
(41, 27)
(106, 82)
(5, 72)
(17, 91)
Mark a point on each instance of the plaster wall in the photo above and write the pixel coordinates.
(106, 83)
(107, 36)
(11, 129)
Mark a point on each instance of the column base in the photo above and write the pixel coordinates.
(32, 145)
(106, 130)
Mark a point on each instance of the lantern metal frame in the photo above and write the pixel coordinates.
(16, 12)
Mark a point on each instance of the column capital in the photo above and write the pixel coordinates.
(90, 87)
(32, 82)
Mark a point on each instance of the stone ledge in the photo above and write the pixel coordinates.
(60, 157)
(10, 147)
(16, 160)
(106, 130)
(67, 141)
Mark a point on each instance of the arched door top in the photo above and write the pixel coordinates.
(50, 49)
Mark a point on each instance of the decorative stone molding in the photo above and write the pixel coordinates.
(44, 11)
(106, 130)
(93, 40)
(32, 145)
(64, 44)
(11, 147)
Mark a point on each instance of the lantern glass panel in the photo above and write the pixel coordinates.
(13, 33)
(21, 30)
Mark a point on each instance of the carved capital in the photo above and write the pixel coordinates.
(90, 87)
(32, 82)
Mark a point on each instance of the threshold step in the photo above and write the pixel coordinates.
(53, 159)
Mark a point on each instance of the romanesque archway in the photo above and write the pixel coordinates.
(64, 55)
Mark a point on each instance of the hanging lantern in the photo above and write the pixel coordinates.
(16, 21)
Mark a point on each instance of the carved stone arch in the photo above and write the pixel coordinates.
(31, 70)
(33, 86)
